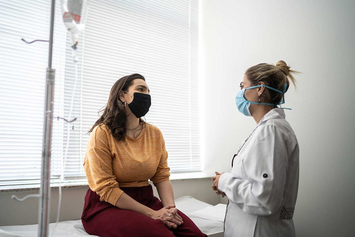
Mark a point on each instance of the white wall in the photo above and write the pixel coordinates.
(316, 38)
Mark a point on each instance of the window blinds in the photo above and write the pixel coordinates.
(22, 87)
(158, 39)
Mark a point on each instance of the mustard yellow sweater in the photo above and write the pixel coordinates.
(110, 164)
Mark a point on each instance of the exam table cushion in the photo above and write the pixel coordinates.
(207, 217)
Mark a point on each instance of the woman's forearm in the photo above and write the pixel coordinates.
(128, 203)
(166, 193)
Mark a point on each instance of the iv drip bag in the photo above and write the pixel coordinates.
(74, 14)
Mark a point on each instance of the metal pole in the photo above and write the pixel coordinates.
(44, 201)
(51, 31)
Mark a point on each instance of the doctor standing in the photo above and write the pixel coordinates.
(263, 184)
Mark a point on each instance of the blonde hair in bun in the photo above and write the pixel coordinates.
(287, 71)
(273, 76)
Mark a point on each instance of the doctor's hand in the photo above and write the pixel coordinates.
(215, 185)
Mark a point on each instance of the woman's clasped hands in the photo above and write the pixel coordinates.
(169, 216)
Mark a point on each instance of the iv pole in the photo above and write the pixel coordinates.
(45, 191)
(44, 200)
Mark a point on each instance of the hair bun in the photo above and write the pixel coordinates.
(283, 67)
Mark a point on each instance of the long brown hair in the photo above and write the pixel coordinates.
(273, 76)
(114, 114)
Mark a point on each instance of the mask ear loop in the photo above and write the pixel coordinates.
(283, 97)
(283, 93)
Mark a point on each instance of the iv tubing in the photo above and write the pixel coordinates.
(68, 139)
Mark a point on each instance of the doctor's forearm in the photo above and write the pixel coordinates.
(243, 192)
(233, 187)
(166, 193)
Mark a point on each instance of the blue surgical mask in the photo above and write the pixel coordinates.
(243, 104)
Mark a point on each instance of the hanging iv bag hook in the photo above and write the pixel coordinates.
(38, 40)
(23, 199)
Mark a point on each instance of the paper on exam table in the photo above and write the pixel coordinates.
(188, 204)
(63, 229)
(216, 212)
(7, 234)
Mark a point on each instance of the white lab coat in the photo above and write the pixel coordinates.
(262, 186)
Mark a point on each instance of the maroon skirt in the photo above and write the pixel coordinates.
(103, 219)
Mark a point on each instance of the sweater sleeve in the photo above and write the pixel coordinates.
(163, 170)
(98, 167)
(260, 190)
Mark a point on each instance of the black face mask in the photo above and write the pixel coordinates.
(140, 104)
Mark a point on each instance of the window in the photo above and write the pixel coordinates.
(158, 39)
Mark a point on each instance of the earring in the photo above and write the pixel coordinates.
(259, 100)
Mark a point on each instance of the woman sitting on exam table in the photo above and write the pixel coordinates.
(123, 152)
(262, 186)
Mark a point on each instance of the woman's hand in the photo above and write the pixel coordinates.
(169, 216)
(215, 184)
(174, 214)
